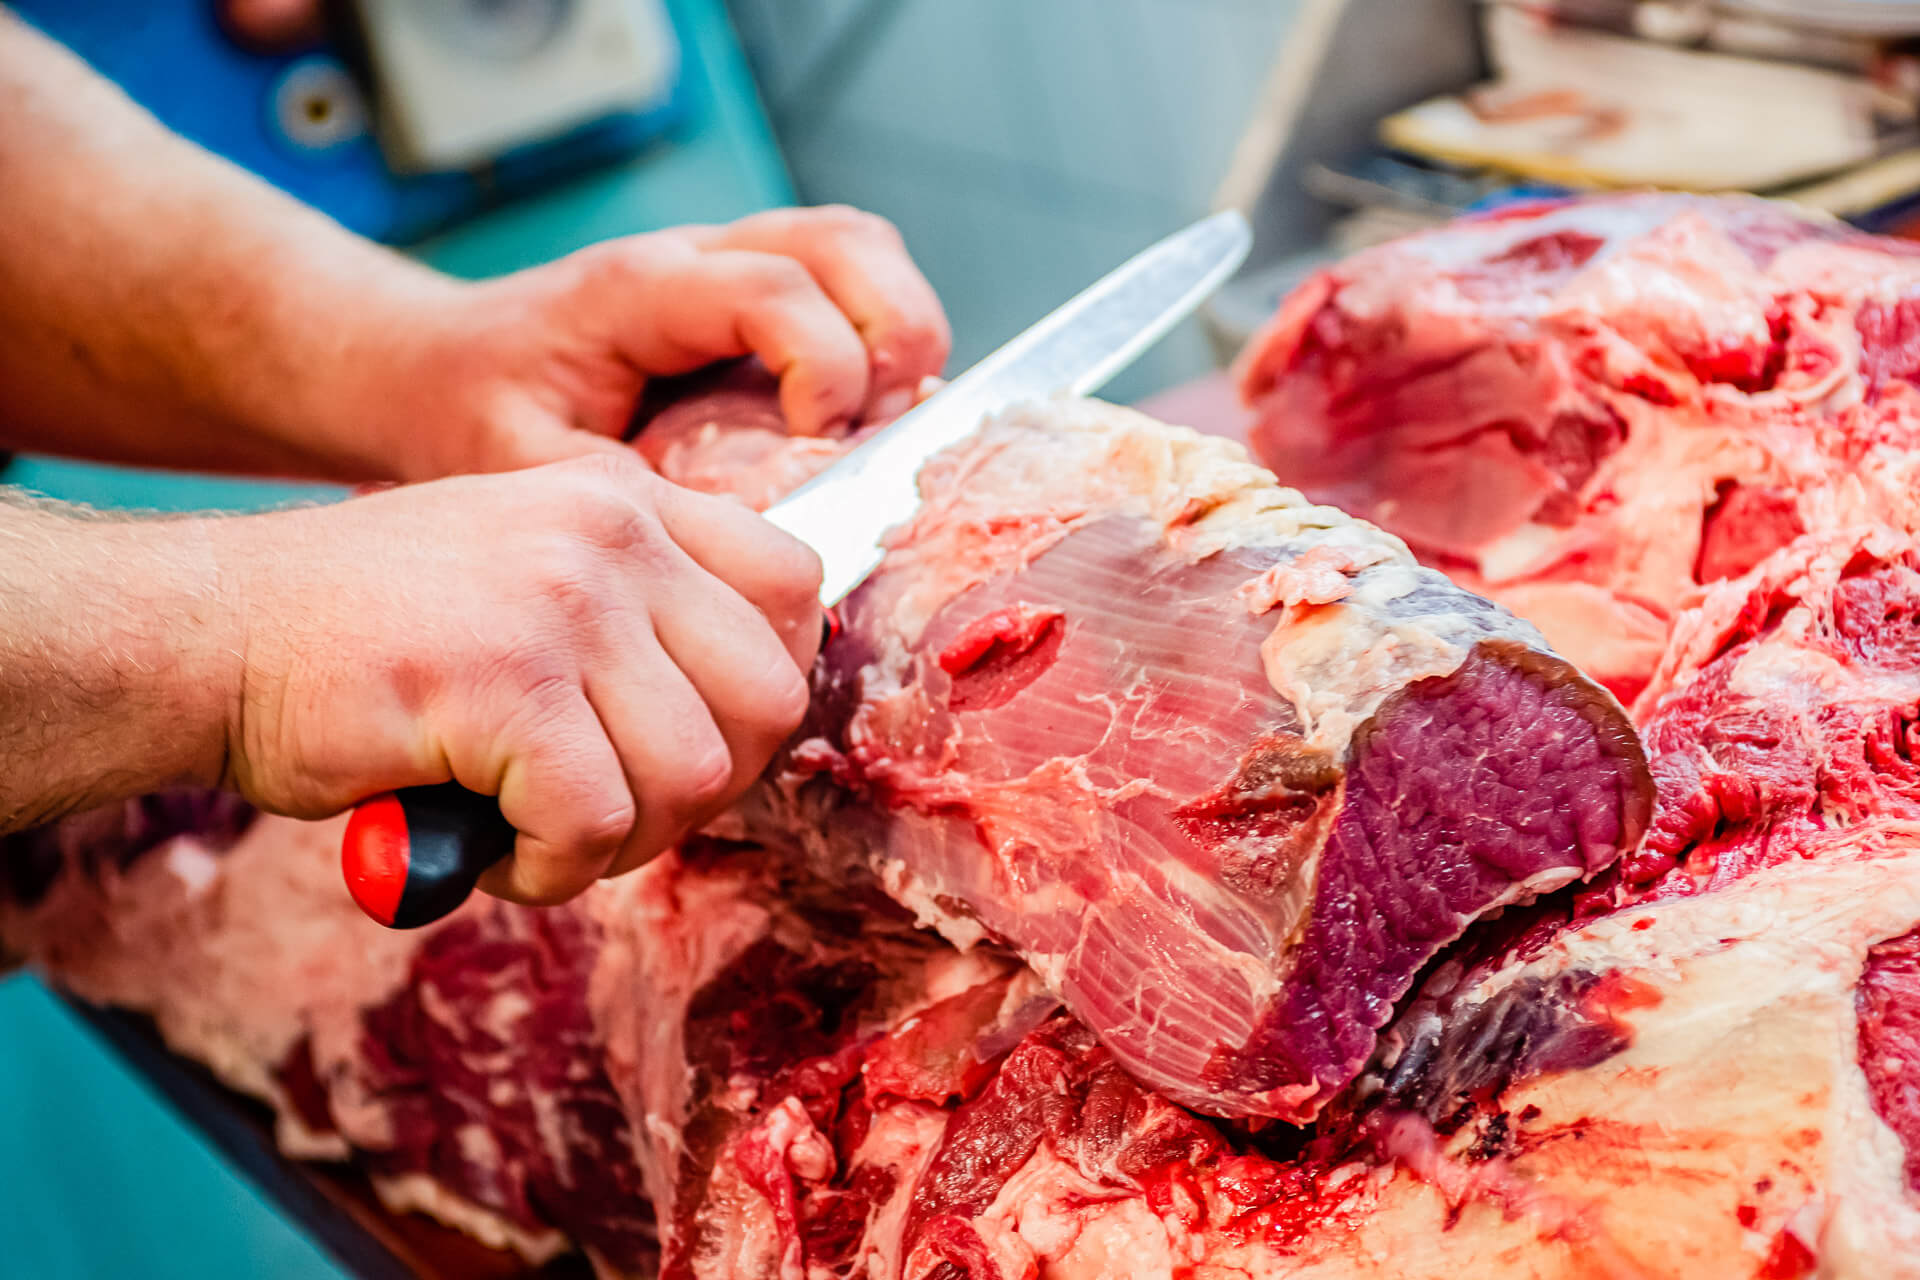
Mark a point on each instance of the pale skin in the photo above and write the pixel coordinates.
(533, 613)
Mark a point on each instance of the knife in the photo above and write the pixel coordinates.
(411, 856)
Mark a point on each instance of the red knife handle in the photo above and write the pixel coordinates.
(411, 856)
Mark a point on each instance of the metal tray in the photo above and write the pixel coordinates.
(334, 1204)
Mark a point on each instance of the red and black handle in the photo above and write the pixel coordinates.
(412, 856)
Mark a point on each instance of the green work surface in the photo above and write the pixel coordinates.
(101, 1180)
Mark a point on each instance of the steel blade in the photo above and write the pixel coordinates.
(843, 512)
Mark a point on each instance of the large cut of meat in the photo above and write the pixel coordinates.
(751, 1060)
(1225, 769)
(1585, 410)
(1710, 1080)
(1695, 1087)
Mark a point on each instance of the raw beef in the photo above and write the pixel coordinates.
(1788, 704)
(1229, 863)
(1672, 1092)
(457, 1065)
(1696, 1064)
(1224, 769)
(1712, 1080)
(1585, 410)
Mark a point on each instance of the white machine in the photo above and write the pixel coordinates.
(461, 81)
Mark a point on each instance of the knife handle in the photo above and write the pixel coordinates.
(411, 856)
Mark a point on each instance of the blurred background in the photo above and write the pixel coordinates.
(1024, 147)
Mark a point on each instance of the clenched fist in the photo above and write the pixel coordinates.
(614, 657)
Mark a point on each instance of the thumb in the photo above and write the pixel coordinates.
(516, 439)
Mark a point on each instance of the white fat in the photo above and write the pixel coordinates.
(906, 889)
(195, 865)
(417, 1193)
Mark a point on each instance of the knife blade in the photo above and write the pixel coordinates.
(412, 856)
(1075, 350)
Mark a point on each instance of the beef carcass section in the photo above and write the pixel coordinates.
(1692, 1087)
(457, 1065)
(1710, 1078)
(1696, 1064)
(1787, 705)
(1585, 410)
(1225, 769)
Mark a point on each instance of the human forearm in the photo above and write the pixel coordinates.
(119, 659)
(614, 658)
(158, 305)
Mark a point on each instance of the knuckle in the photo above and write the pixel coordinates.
(785, 698)
(778, 696)
(912, 348)
(609, 268)
(601, 519)
(794, 571)
(776, 277)
(625, 263)
(705, 774)
(604, 824)
(925, 338)
(570, 588)
(529, 675)
(850, 221)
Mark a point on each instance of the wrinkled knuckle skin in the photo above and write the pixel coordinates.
(794, 573)
(781, 279)
(526, 674)
(609, 522)
(600, 834)
(860, 224)
(705, 776)
(786, 699)
(568, 577)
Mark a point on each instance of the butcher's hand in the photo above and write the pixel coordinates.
(159, 305)
(614, 657)
(548, 363)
